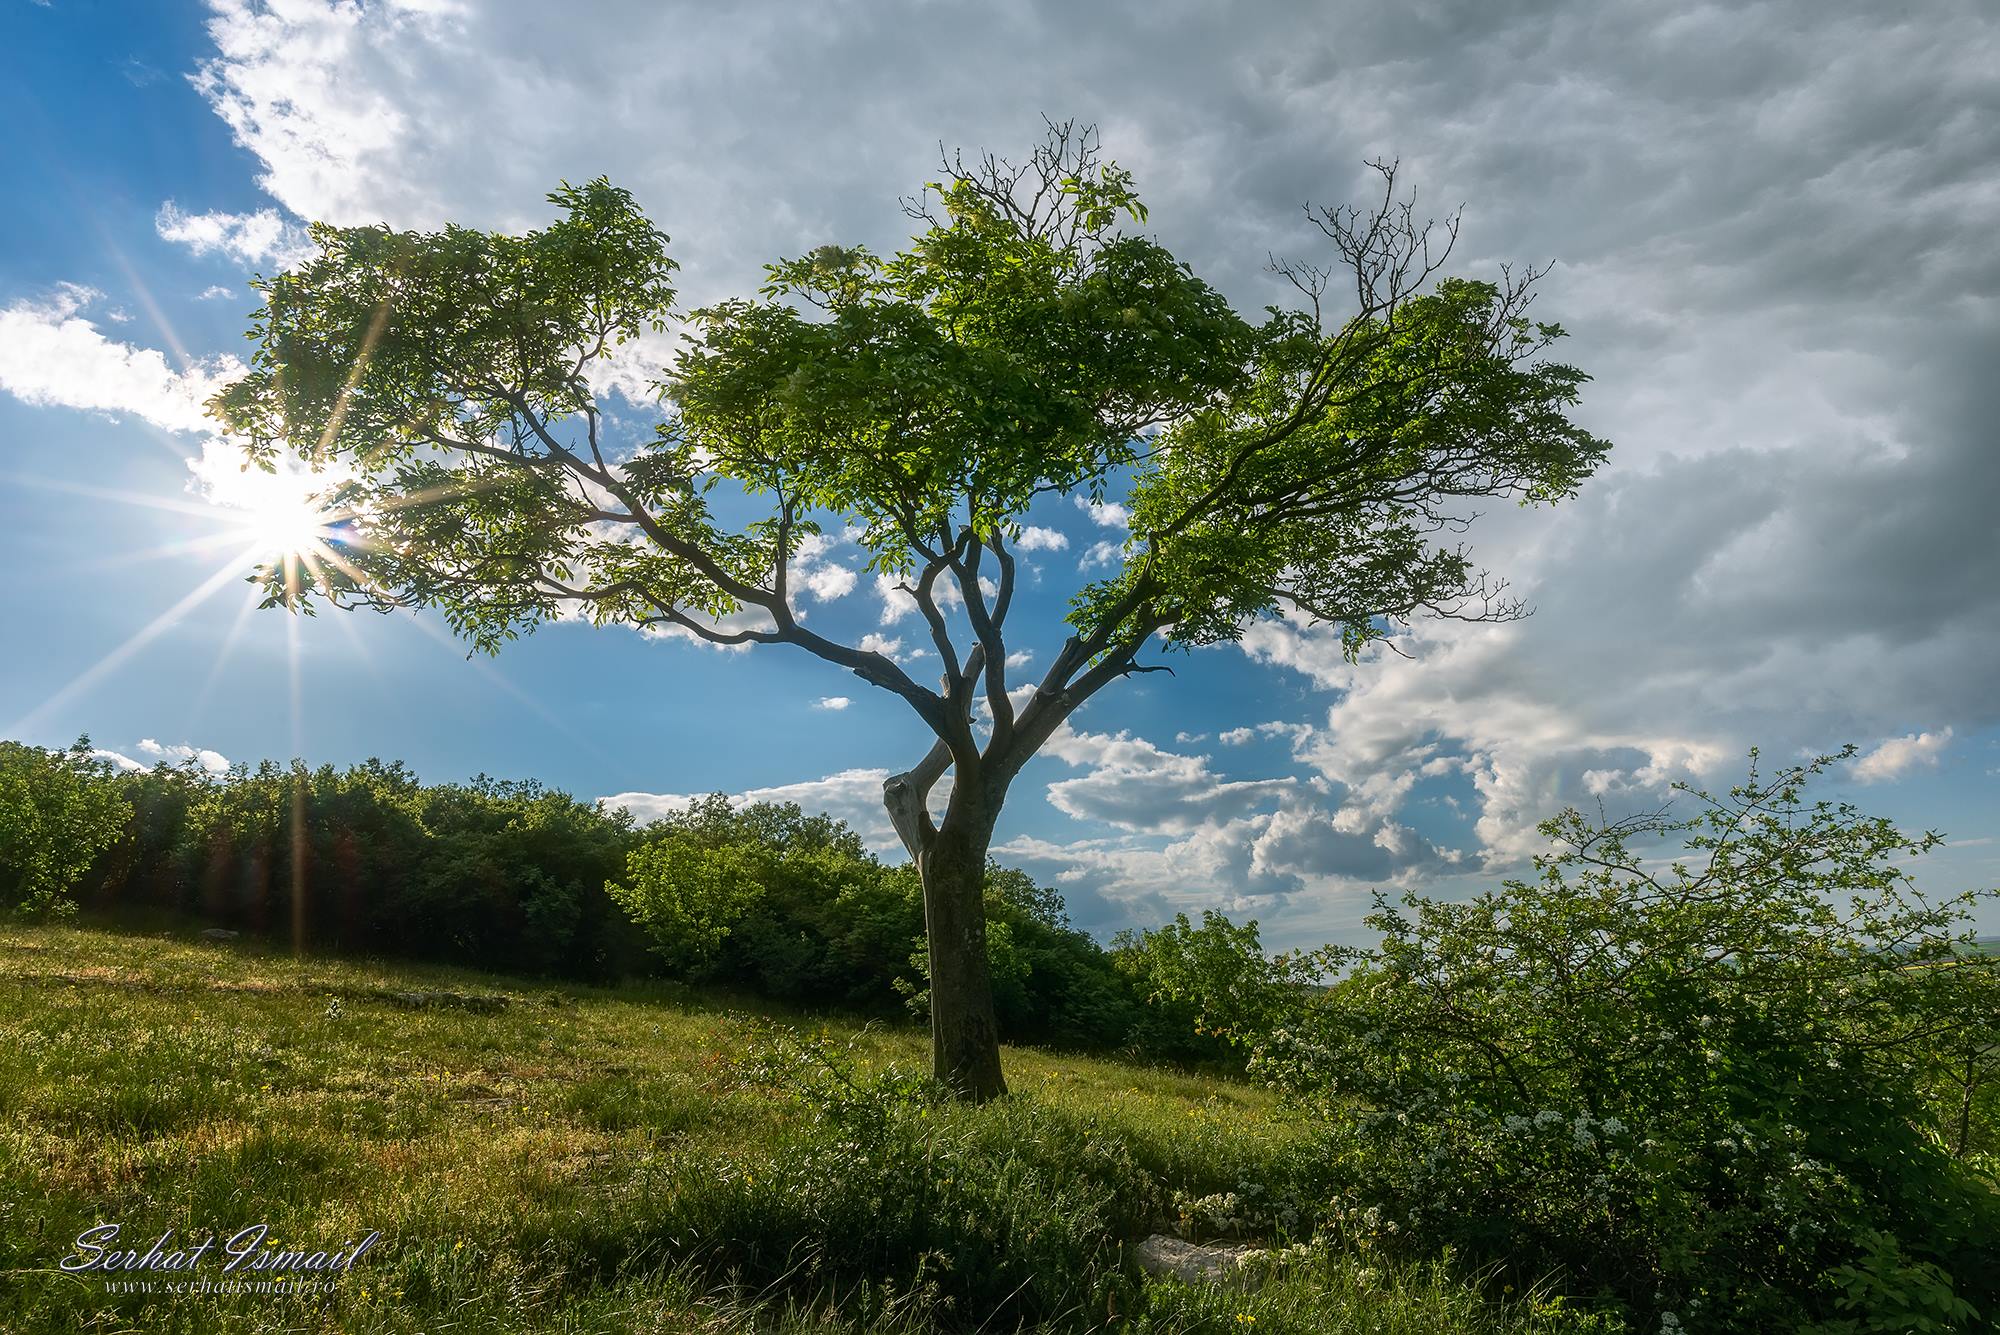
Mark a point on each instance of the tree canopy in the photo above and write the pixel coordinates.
(56, 816)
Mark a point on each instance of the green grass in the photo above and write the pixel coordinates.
(554, 1158)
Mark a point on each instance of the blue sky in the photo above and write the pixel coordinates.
(1772, 235)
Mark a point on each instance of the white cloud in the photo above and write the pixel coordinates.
(1035, 539)
(1104, 514)
(810, 569)
(743, 618)
(51, 356)
(1101, 554)
(1189, 837)
(897, 603)
(1020, 658)
(216, 292)
(302, 86)
(122, 762)
(829, 582)
(212, 761)
(832, 702)
(1237, 736)
(262, 237)
(1896, 756)
(634, 369)
(889, 647)
(1137, 786)
(852, 795)
(648, 807)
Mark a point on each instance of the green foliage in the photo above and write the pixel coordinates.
(1333, 517)
(495, 873)
(1958, 1067)
(999, 357)
(794, 907)
(784, 904)
(389, 352)
(58, 811)
(1008, 1212)
(1216, 980)
(1693, 1087)
(687, 897)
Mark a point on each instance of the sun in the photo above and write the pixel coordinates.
(279, 515)
(282, 525)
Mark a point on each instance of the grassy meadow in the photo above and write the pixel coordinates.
(552, 1158)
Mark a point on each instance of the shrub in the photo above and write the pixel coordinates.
(1694, 1088)
(1212, 990)
(891, 1193)
(58, 811)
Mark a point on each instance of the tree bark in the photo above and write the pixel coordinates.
(965, 1036)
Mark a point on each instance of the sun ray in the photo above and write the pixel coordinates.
(171, 504)
(495, 676)
(199, 545)
(144, 294)
(223, 654)
(361, 359)
(295, 675)
(237, 566)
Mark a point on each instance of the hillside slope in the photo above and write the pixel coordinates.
(538, 1158)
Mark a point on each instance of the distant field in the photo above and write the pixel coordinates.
(533, 1157)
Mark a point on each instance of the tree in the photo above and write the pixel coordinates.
(58, 811)
(1219, 975)
(1023, 345)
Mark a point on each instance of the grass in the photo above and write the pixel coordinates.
(562, 1159)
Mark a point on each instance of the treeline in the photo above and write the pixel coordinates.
(517, 877)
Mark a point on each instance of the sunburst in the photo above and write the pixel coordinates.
(280, 517)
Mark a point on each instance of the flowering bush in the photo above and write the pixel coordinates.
(1692, 1089)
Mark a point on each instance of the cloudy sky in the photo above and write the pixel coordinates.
(1772, 227)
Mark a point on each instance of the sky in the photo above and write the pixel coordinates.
(1771, 232)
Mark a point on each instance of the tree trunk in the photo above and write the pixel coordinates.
(965, 1038)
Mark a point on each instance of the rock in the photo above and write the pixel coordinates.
(219, 934)
(460, 1000)
(1214, 1263)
